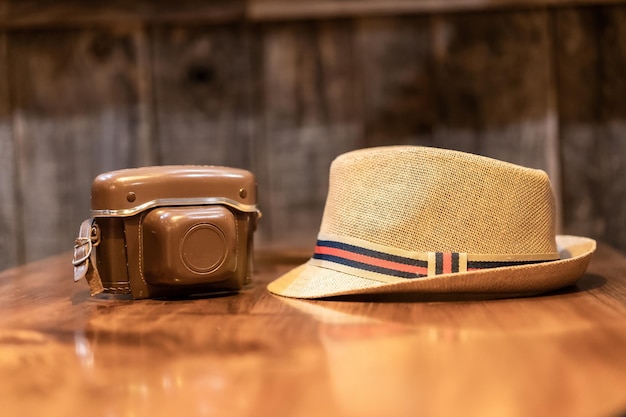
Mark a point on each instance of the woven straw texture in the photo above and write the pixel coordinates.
(427, 199)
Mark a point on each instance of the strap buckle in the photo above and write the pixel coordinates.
(79, 243)
(84, 259)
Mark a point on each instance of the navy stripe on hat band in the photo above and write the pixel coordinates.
(373, 253)
(498, 264)
(367, 267)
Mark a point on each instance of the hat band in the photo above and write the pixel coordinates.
(387, 264)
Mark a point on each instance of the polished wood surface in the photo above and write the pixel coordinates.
(64, 353)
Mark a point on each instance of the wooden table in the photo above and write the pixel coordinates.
(64, 353)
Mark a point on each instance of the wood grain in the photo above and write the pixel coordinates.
(307, 9)
(4, 10)
(592, 101)
(79, 115)
(393, 65)
(202, 78)
(493, 83)
(310, 113)
(11, 246)
(21, 14)
(75, 13)
(479, 83)
(557, 354)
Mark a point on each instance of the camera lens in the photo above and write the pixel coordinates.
(203, 248)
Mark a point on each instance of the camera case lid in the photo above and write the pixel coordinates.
(127, 192)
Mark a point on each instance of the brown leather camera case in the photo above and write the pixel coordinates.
(169, 231)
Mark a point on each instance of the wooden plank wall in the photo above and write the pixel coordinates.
(592, 95)
(11, 247)
(539, 86)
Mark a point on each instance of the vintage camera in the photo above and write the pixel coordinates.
(168, 231)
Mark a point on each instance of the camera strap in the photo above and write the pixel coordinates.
(85, 257)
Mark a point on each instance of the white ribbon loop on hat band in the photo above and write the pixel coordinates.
(387, 264)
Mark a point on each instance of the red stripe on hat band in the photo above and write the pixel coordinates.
(325, 250)
(447, 262)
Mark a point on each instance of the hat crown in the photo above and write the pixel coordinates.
(428, 199)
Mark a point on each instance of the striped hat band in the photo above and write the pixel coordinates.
(387, 264)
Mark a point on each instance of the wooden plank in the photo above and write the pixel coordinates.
(311, 113)
(476, 82)
(79, 114)
(591, 56)
(202, 79)
(51, 13)
(393, 58)
(492, 75)
(265, 10)
(10, 244)
(4, 10)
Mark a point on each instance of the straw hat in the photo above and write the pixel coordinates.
(426, 220)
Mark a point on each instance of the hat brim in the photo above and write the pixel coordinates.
(311, 281)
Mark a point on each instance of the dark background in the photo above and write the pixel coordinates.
(283, 87)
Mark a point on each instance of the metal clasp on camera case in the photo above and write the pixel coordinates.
(93, 239)
(78, 244)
